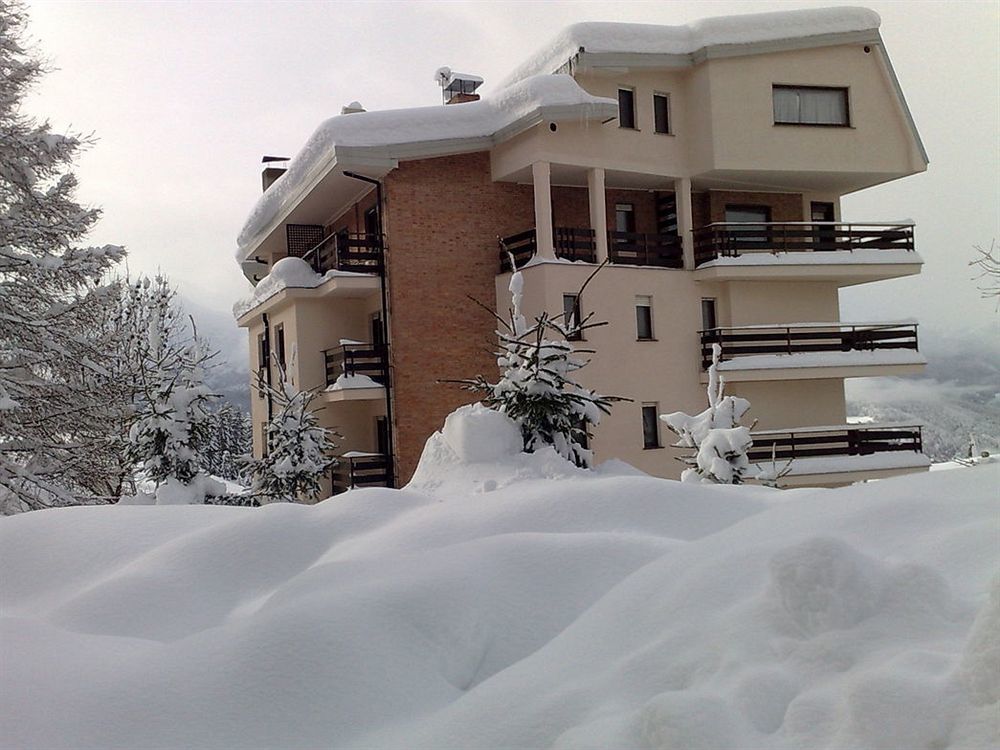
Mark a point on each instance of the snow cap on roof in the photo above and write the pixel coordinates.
(395, 133)
(687, 39)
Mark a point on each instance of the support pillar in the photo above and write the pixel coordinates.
(685, 222)
(541, 174)
(598, 212)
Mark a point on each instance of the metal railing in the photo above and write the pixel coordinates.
(732, 239)
(371, 360)
(796, 339)
(361, 470)
(359, 252)
(810, 442)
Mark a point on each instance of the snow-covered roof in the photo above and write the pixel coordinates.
(422, 131)
(693, 38)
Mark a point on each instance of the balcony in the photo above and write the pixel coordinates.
(356, 469)
(840, 454)
(356, 371)
(813, 350)
(356, 252)
(853, 253)
(624, 248)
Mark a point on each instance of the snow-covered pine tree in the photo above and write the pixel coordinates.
(50, 294)
(720, 443)
(299, 451)
(536, 387)
(229, 439)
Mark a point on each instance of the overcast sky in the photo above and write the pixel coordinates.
(185, 98)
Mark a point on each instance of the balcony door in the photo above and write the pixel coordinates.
(748, 236)
(824, 237)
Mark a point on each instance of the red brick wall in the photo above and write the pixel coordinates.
(571, 207)
(442, 219)
(784, 206)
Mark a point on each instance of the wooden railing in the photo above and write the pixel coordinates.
(735, 239)
(358, 252)
(357, 359)
(638, 249)
(521, 245)
(575, 244)
(809, 442)
(834, 337)
(362, 470)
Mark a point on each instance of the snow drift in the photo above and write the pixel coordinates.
(505, 600)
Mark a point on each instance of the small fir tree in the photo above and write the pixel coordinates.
(299, 451)
(536, 388)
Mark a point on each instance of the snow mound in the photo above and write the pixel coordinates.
(636, 38)
(287, 272)
(477, 433)
(556, 97)
(595, 610)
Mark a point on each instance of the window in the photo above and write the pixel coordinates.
(748, 237)
(810, 105)
(626, 108)
(624, 217)
(279, 344)
(650, 426)
(661, 113)
(263, 362)
(263, 440)
(708, 319)
(571, 317)
(382, 436)
(644, 318)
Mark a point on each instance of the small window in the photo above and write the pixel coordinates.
(263, 440)
(810, 105)
(650, 426)
(644, 318)
(661, 113)
(571, 317)
(708, 319)
(626, 108)
(279, 345)
(624, 217)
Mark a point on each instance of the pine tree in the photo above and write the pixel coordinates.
(229, 439)
(299, 451)
(50, 295)
(536, 388)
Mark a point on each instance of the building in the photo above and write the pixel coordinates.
(705, 162)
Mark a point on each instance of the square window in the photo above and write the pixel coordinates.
(571, 317)
(644, 318)
(624, 217)
(810, 105)
(650, 426)
(661, 113)
(626, 108)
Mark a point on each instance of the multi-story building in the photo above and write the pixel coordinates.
(706, 163)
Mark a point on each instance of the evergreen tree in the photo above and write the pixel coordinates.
(50, 296)
(299, 452)
(536, 387)
(229, 440)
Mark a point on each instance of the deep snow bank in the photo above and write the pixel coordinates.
(511, 601)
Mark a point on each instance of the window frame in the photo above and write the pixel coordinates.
(643, 410)
(625, 209)
(279, 345)
(656, 128)
(630, 90)
(796, 87)
(648, 306)
(574, 310)
(709, 304)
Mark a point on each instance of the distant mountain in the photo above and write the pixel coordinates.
(230, 375)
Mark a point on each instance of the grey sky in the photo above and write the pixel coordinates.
(186, 97)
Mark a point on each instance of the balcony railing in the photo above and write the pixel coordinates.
(371, 360)
(570, 243)
(797, 339)
(358, 252)
(811, 442)
(729, 239)
(357, 469)
(638, 249)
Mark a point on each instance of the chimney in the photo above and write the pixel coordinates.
(352, 109)
(274, 167)
(457, 88)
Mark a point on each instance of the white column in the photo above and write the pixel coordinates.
(541, 177)
(682, 193)
(598, 211)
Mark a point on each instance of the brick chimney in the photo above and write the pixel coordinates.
(457, 88)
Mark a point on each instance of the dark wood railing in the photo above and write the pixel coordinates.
(638, 249)
(358, 252)
(521, 245)
(357, 359)
(834, 441)
(735, 239)
(575, 244)
(836, 337)
(362, 470)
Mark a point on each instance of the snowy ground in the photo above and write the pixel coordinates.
(513, 602)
